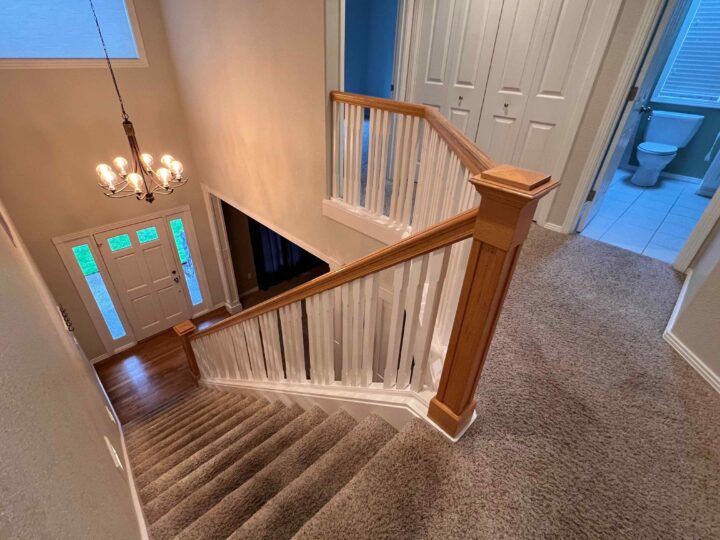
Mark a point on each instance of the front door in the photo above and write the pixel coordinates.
(145, 272)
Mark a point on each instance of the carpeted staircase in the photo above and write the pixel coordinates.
(212, 464)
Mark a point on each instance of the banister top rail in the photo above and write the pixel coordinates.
(443, 234)
(470, 155)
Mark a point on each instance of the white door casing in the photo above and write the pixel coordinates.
(147, 278)
(633, 112)
(546, 58)
(453, 55)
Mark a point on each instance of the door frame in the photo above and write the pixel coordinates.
(645, 40)
(64, 243)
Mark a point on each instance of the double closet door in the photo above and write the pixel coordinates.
(513, 75)
(147, 277)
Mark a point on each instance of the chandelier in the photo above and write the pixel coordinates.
(136, 177)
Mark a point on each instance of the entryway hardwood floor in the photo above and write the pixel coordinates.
(150, 373)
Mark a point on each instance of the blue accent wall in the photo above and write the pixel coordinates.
(370, 27)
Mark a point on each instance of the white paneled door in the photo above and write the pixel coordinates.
(513, 74)
(455, 46)
(147, 276)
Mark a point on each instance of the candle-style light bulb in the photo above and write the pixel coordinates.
(108, 178)
(102, 169)
(166, 160)
(177, 168)
(164, 175)
(121, 165)
(135, 179)
(147, 159)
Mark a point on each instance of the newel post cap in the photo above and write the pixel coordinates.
(516, 182)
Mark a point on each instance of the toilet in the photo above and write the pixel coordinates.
(666, 132)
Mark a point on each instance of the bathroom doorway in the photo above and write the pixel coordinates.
(661, 171)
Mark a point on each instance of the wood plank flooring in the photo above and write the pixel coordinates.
(150, 373)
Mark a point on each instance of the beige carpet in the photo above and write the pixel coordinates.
(588, 426)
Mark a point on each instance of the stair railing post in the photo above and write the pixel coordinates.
(184, 330)
(509, 197)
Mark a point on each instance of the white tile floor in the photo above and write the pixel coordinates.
(654, 221)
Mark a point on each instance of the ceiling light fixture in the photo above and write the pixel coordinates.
(136, 177)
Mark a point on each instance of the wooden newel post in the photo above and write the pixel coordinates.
(509, 197)
(184, 330)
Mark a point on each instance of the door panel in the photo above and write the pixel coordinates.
(145, 273)
(455, 46)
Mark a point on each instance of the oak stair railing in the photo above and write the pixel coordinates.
(291, 338)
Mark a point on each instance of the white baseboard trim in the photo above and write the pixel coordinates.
(696, 363)
(683, 350)
(99, 358)
(379, 228)
(553, 227)
(397, 407)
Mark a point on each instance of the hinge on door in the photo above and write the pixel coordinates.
(632, 94)
(392, 87)
(591, 195)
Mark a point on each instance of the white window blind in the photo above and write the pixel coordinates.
(64, 29)
(692, 73)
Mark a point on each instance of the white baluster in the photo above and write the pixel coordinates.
(437, 268)
(372, 160)
(413, 298)
(381, 177)
(255, 351)
(271, 345)
(336, 149)
(241, 352)
(314, 338)
(328, 333)
(400, 280)
(293, 348)
(347, 326)
(201, 358)
(398, 142)
(357, 322)
(406, 204)
(371, 290)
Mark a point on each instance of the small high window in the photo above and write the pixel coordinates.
(692, 73)
(52, 29)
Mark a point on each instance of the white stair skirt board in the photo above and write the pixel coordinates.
(380, 228)
(396, 407)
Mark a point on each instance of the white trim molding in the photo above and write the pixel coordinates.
(683, 350)
(397, 407)
(94, 63)
(380, 228)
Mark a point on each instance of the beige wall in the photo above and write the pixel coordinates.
(57, 478)
(698, 319)
(615, 54)
(251, 75)
(57, 124)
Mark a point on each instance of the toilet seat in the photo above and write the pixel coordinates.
(658, 149)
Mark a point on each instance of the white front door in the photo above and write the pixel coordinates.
(545, 61)
(146, 275)
(455, 46)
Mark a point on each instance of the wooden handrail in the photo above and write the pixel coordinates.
(470, 155)
(443, 234)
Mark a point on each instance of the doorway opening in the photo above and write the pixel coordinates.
(662, 168)
(265, 263)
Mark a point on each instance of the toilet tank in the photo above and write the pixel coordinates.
(672, 127)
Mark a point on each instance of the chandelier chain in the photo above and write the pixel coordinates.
(107, 58)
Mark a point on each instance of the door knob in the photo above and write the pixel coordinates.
(176, 279)
(645, 108)
(174, 272)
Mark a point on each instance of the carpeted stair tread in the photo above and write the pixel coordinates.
(205, 497)
(184, 487)
(192, 418)
(134, 431)
(175, 418)
(218, 455)
(239, 505)
(150, 417)
(392, 495)
(185, 437)
(209, 437)
(283, 515)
